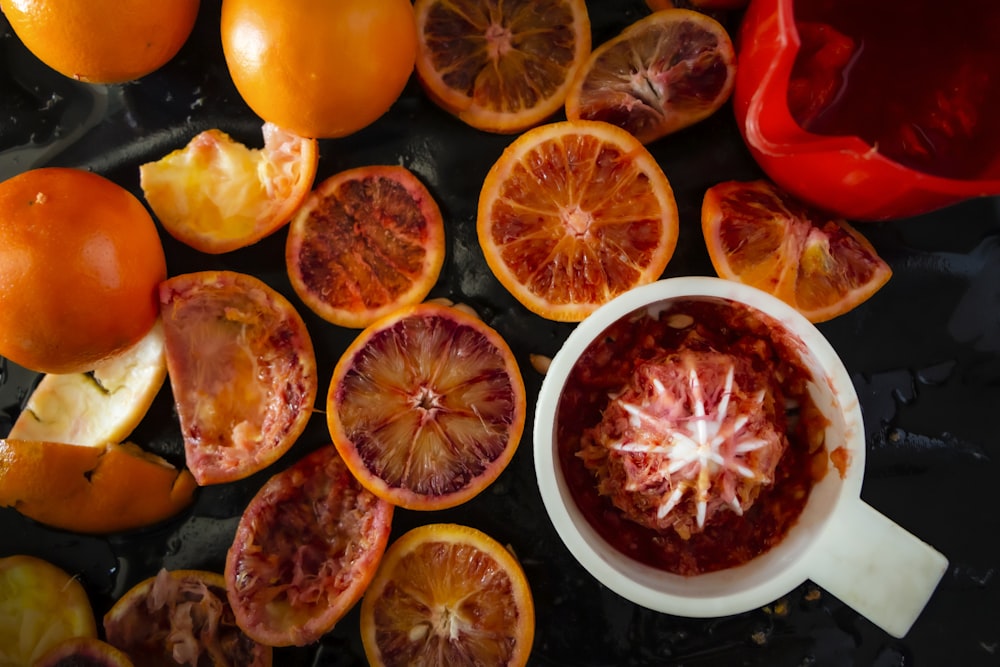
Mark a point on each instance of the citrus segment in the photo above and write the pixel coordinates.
(305, 549)
(427, 406)
(366, 242)
(40, 606)
(115, 487)
(661, 74)
(573, 214)
(80, 259)
(217, 195)
(450, 595)
(102, 41)
(181, 617)
(105, 405)
(242, 369)
(759, 235)
(319, 69)
(500, 66)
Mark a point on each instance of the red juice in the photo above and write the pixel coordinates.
(917, 79)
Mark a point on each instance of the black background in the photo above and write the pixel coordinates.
(924, 354)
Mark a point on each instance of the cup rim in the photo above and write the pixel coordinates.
(723, 592)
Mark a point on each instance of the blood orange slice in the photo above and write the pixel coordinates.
(573, 214)
(760, 235)
(83, 652)
(661, 74)
(217, 195)
(181, 617)
(242, 369)
(447, 594)
(427, 406)
(305, 549)
(366, 242)
(500, 66)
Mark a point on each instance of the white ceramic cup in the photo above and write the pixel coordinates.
(839, 542)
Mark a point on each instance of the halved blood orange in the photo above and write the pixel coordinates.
(99, 489)
(305, 549)
(448, 594)
(40, 605)
(181, 617)
(573, 214)
(427, 406)
(500, 66)
(242, 368)
(83, 652)
(760, 235)
(367, 241)
(217, 195)
(661, 74)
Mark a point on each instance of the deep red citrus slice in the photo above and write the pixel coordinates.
(365, 242)
(305, 549)
(427, 406)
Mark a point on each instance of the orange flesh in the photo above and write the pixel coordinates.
(448, 595)
(762, 237)
(576, 220)
(366, 242)
(501, 66)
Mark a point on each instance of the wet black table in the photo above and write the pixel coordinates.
(924, 354)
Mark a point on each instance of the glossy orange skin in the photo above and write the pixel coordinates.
(80, 261)
(321, 70)
(102, 41)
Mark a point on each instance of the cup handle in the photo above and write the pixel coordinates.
(874, 566)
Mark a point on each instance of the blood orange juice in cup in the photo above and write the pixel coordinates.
(700, 450)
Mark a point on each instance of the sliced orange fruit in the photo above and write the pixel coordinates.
(181, 617)
(661, 74)
(447, 594)
(40, 606)
(242, 368)
(83, 652)
(500, 66)
(427, 406)
(365, 242)
(573, 214)
(217, 195)
(760, 235)
(91, 489)
(306, 547)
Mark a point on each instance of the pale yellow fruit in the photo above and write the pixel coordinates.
(100, 407)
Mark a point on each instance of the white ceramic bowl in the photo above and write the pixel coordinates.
(839, 542)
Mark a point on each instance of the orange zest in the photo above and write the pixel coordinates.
(366, 242)
(427, 406)
(661, 74)
(500, 67)
(451, 595)
(573, 214)
(91, 489)
(217, 195)
(759, 235)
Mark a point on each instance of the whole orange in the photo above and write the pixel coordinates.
(319, 69)
(80, 262)
(102, 41)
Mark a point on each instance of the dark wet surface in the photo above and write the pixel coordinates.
(924, 354)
